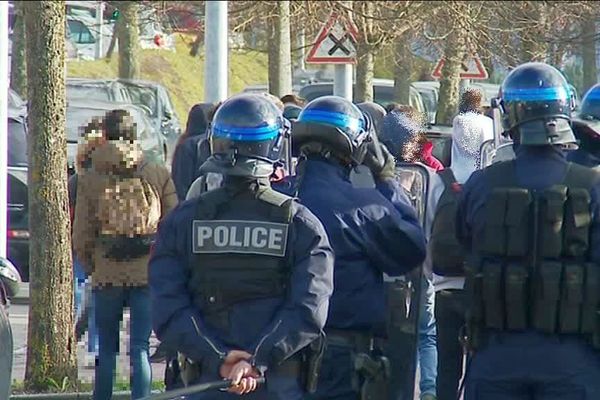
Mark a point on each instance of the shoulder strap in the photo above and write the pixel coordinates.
(578, 176)
(282, 210)
(209, 202)
(447, 176)
(501, 174)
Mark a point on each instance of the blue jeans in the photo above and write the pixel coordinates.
(110, 301)
(84, 299)
(427, 347)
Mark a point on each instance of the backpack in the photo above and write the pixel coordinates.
(447, 254)
(129, 210)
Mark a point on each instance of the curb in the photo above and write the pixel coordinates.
(122, 395)
(67, 396)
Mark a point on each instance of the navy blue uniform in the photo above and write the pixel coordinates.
(582, 157)
(186, 162)
(513, 365)
(370, 235)
(269, 328)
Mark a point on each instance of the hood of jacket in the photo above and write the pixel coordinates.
(116, 156)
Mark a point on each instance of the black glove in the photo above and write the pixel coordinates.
(380, 169)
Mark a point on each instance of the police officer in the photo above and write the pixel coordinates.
(532, 228)
(241, 275)
(587, 130)
(369, 234)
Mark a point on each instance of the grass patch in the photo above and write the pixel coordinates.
(180, 73)
(18, 387)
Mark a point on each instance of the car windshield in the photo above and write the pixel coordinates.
(17, 144)
(78, 118)
(89, 92)
(144, 96)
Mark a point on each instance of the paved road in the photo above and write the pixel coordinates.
(18, 320)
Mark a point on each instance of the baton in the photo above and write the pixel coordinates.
(193, 389)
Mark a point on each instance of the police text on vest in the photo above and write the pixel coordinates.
(245, 237)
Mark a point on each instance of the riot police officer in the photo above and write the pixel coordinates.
(532, 228)
(241, 275)
(587, 130)
(370, 235)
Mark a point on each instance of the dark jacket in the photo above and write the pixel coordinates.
(271, 328)
(370, 236)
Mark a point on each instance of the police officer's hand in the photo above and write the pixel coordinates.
(243, 378)
(380, 168)
(232, 358)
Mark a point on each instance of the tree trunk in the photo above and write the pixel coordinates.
(454, 54)
(280, 56)
(195, 49)
(534, 46)
(129, 43)
(365, 63)
(51, 351)
(403, 66)
(588, 54)
(113, 40)
(18, 71)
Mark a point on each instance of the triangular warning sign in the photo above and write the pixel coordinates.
(471, 68)
(336, 42)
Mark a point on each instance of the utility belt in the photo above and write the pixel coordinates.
(124, 247)
(556, 297)
(371, 370)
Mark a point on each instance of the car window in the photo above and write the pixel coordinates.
(89, 92)
(17, 144)
(145, 96)
(143, 127)
(80, 33)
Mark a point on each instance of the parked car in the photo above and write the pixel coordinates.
(9, 286)
(155, 98)
(79, 113)
(96, 90)
(18, 229)
(383, 93)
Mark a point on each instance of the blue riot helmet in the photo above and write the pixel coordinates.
(335, 124)
(537, 102)
(590, 105)
(246, 137)
(586, 125)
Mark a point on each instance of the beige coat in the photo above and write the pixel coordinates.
(107, 159)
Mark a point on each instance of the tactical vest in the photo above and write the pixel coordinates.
(531, 269)
(240, 239)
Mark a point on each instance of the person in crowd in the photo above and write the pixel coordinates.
(371, 234)
(250, 303)
(292, 99)
(120, 200)
(470, 128)
(403, 137)
(188, 157)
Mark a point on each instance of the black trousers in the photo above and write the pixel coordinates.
(450, 317)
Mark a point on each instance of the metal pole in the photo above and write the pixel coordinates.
(342, 81)
(99, 33)
(3, 125)
(343, 75)
(215, 69)
(302, 50)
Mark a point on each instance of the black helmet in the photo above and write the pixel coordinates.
(246, 129)
(537, 104)
(336, 123)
